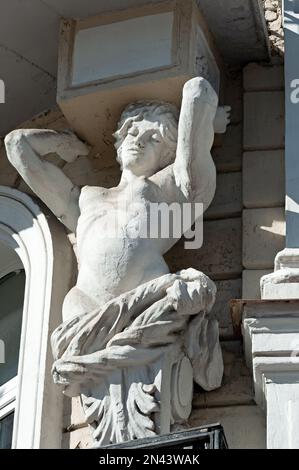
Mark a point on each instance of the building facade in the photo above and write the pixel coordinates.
(248, 51)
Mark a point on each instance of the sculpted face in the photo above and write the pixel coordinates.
(142, 148)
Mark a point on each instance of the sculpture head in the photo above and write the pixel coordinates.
(146, 137)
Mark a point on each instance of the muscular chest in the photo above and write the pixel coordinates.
(113, 212)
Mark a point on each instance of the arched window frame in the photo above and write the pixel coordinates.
(8, 390)
(41, 243)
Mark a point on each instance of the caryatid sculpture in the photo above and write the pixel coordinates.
(134, 336)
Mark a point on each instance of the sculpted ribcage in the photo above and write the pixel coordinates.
(110, 230)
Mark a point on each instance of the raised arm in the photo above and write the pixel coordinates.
(25, 147)
(194, 170)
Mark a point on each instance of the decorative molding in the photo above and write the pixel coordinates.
(271, 340)
(283, 283)
(10, 262)
(42, 246)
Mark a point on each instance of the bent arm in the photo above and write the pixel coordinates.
(194, 169)
(24, 150)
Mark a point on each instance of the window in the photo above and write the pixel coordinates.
(31, 405)
(6, 428)
(12, 287)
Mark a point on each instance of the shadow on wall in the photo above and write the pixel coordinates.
(263, 236)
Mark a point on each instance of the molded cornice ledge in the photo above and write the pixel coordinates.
(283, 283)
(271, 339)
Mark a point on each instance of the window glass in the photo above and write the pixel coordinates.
(6, 428)
(11, 306)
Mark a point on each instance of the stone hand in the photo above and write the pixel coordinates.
(222, 119)
(192, 292)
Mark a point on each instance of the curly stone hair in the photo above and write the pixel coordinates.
(165, 114)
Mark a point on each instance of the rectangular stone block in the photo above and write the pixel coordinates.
(251, 282)
(220, 257)
(288, 290)
(154, 65)
(244, 426)
(263, 236)
(263, 120)
(227, 149)
(227, 201)
(226, 291)
(263, 178)
(258, 77)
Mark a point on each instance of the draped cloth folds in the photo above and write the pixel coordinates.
(135, 328)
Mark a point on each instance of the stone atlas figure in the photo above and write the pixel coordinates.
(134, 336)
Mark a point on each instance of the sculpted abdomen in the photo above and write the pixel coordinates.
(111, 262)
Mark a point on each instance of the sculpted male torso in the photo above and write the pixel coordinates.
(161, 162)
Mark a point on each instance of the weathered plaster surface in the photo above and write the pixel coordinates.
(273, 15)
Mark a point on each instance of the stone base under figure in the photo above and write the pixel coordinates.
(133, 361)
